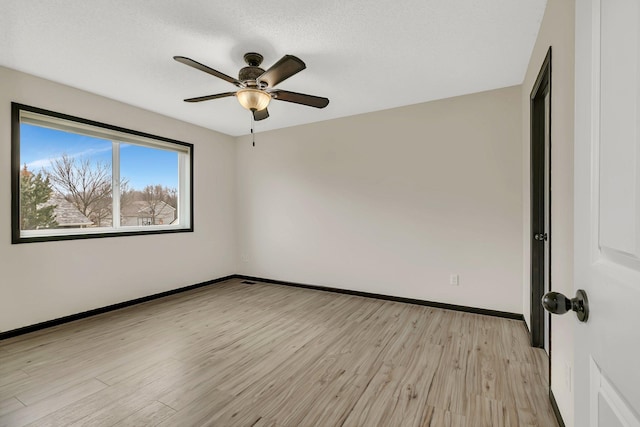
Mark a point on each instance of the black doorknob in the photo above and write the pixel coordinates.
(556, 303)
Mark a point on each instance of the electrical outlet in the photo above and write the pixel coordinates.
(454, 280)
(244, 258)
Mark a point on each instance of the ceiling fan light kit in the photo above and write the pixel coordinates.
(253, 99)
(256, 87)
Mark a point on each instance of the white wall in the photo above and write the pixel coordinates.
(43, 281)
(556, 30)
(391, 202)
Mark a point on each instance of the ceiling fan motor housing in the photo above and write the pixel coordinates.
(250, 73)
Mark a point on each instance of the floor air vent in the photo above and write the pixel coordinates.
(248, 282)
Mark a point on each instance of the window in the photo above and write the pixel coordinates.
(74, 178)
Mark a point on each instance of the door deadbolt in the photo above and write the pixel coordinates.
(556, 303)
(540, 236)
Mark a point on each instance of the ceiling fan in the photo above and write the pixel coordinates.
(257, 86)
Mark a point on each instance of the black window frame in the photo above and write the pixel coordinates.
(16, 238)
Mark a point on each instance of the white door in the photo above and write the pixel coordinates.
(607, 212)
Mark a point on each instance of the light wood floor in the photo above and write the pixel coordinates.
(234, 354)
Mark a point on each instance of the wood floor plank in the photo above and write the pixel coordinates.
(9, 405)
(47, 406)
(151, 414)
(234, 354)
(142, 385)
(12, 377)
(201, 411)
(435, 417)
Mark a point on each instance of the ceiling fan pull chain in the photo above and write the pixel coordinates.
(253, 135)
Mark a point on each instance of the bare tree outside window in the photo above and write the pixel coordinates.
(86, 184)
(153, 205)
(158, 199)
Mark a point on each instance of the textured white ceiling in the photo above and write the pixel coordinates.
(364, 55)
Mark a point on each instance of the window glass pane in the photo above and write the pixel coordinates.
(149, 182)
(65, 179)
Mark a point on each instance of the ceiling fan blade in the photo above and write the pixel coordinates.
(195, 64)
(286, 67)
(260, 115)
(208, 97)
(300, 98)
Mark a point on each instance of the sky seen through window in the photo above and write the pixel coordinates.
(140, 165)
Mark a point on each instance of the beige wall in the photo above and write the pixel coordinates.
(557, 30)
(43, 281)
(391, 202)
